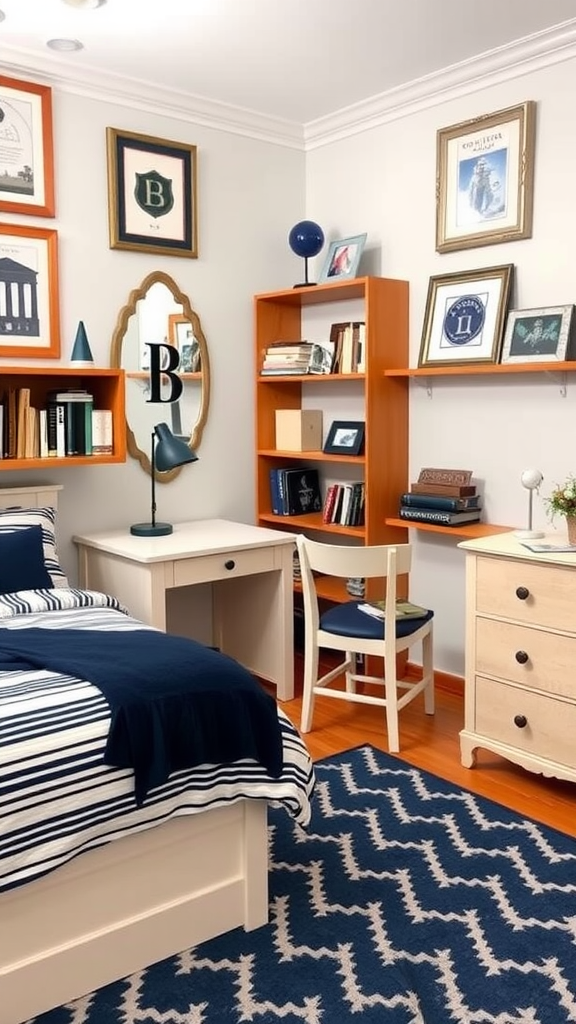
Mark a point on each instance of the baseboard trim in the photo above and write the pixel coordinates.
(445, 681)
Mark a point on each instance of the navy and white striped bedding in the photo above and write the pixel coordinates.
(57, 798)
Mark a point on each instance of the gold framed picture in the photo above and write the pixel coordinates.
(151, 194)
(485, 179)
(464, 317)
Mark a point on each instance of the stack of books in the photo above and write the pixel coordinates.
(283, 358)
(441, 503)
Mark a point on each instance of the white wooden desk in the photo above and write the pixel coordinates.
(249, 567)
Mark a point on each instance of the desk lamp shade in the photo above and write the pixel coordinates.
(167, 452)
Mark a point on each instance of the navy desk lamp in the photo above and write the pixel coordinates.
(168, 452)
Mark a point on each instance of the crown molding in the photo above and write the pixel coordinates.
(525, 56)
(503, 64)
(141, 95)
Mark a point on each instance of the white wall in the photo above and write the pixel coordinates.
(383, 181)
(250, 193)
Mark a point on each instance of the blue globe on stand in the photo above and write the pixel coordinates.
(306, 239)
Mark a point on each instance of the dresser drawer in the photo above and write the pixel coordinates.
(551, 663)
(550, 730)
(208, 568)
(551, 592)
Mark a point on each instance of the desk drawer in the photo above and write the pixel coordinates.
(550, 599)
(550, 663)
(550, 727)
(208, 568)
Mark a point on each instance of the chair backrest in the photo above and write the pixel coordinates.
(346, 560)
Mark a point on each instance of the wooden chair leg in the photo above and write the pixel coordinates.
(428, 671)
(350, 681)
(310, 678)
(392, 714)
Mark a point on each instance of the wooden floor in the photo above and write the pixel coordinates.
(431, 742)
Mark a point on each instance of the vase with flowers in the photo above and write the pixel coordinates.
(562, 502)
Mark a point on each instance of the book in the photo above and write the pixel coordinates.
(404, 609)
(430, 475)
(432, 515)
(439, 501)
(301, 491)
(102, 436)
(275, 493)
(444, 490)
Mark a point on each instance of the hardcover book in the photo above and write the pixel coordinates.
(404, 609)
(445, 490)
(429, 515)
(301, 491)
(442, 502)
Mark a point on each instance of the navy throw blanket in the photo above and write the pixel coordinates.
(174, 703)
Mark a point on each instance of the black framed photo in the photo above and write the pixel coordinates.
(345, 437)
(151, 194)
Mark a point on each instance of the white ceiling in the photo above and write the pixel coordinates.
(297, 60)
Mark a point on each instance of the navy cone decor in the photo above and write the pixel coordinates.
(81, 353)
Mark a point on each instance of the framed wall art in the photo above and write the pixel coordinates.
(484, 179)
(342, 258)
(27, 164)
(152, 193)
(539, 335)
(181, 335)
(29, 306)
(345, 437)
(464, 317)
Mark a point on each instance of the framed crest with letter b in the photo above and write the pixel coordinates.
(151, 194)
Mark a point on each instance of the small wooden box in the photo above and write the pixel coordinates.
(299, 430)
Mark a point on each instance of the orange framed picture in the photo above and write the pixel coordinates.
(29, 303)
(27, 178)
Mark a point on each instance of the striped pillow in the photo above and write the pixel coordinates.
(12, 519)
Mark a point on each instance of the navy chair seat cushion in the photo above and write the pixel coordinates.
(347, 620)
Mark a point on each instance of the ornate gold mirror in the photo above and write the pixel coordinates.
(156, 312)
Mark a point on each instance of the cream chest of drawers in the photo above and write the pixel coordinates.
(520, 695)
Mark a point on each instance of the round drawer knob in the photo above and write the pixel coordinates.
(521, 657)
(521, 721)
(230, 564)
(522, 593)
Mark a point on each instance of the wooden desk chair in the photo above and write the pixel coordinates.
(346, 628)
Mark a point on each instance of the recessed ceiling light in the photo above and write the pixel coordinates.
(65, 45)
(88, 5)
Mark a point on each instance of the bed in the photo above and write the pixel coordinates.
(92, 891)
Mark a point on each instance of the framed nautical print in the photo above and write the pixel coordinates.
(464, 317)
(539, 335)
(484, 179)
(151, 194)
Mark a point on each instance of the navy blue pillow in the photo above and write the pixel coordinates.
(22, 561)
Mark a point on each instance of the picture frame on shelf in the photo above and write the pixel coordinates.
(152, 194)
(539, 335)
(464, 316)
(27, 181)
(30, 325)
(485, 179)
(181, 336)
(345, 437)
(342, 259)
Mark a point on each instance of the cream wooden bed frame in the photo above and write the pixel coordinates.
(132, 902)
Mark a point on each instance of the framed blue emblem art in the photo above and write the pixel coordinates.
(484, 179)
(465, 316)
(151, 194)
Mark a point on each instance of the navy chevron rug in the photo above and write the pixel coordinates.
(409, 901)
